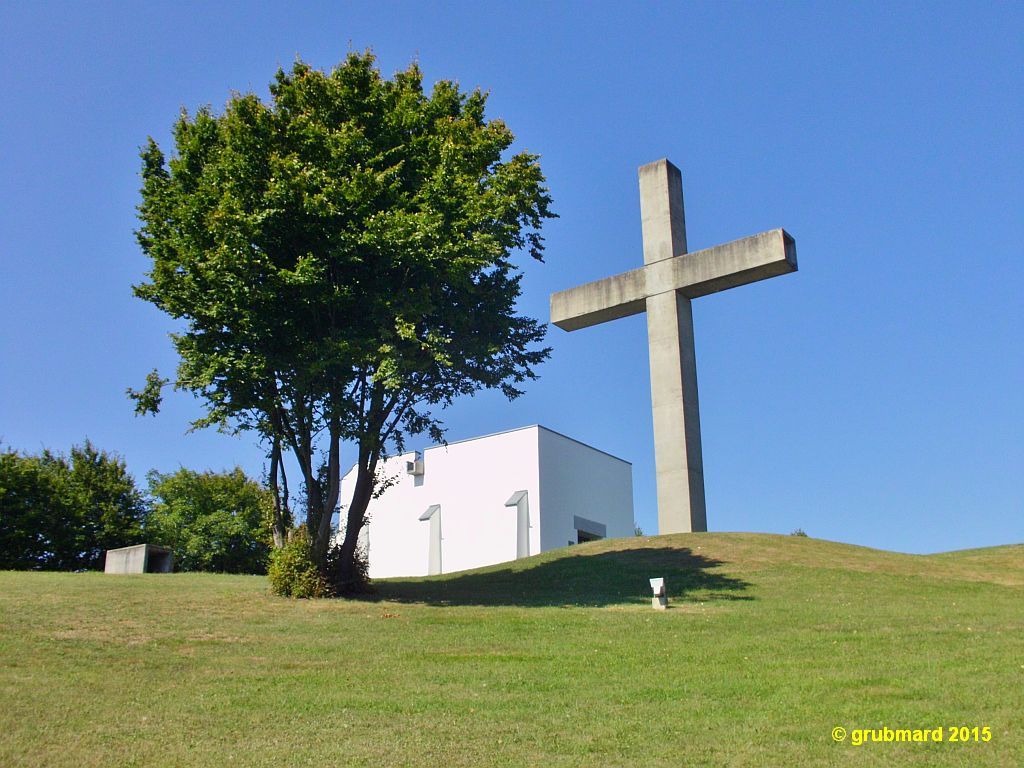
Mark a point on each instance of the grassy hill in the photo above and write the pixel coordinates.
(558, 660)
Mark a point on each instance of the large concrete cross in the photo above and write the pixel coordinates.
(663, 287)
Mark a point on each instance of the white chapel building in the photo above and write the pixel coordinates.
(492, 499)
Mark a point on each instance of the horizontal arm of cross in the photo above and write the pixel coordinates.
(695, 274)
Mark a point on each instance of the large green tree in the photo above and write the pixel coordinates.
(342, 260)
(213, 521)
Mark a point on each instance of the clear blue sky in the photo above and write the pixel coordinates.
(874, 397)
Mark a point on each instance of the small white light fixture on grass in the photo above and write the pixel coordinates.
(660, 599)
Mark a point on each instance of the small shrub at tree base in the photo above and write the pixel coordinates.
(292, 572)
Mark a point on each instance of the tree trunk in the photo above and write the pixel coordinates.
(314, 509)
(329, 498)
(278, 526)
(350, 577)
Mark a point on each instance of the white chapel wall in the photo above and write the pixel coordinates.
(471, 480)
(577, 480)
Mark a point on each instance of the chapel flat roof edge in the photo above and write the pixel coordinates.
(520, 429)
(503, 432)
(585, 445)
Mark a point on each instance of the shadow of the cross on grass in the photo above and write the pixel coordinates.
(598, 579)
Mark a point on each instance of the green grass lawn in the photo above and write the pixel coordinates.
(770, 642)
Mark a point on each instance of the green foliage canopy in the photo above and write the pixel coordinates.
(63, 513)
(213, 521)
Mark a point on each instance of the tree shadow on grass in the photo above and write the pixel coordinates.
(599, 579)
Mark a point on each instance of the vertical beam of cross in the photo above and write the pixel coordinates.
(677, 450)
